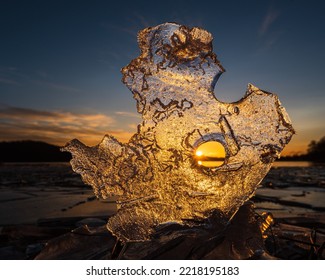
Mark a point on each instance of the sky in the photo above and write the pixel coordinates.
(60, 62)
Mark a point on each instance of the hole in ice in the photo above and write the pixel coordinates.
(210, 154)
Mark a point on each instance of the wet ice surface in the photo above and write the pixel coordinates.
(37, 192)
(30, 191)
(292, 191)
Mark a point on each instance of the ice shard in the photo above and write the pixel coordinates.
(193, 157)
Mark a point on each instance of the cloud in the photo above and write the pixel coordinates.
(143, 21)
(11, 75)
(7, 81)
(57, 86)
(131, 30)
(57, 127)
(268, 20)
(268, 36)
(127, 114)
(133, 24)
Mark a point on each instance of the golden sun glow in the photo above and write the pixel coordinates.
(199, 153)
(210, 154)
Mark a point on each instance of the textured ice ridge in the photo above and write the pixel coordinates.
(155, 175)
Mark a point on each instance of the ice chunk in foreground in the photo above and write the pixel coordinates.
(193, 156)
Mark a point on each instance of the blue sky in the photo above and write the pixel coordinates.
(60, 62)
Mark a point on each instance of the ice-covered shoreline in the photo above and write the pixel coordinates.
(47, 202)
(30, 191)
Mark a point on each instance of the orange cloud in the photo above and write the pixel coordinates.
(57, 127)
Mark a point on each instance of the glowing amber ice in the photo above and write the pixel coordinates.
(157, 175)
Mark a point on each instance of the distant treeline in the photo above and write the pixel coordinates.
(315, 152)
(34, 151)
(31, 151)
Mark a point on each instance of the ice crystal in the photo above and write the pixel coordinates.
(162, 174)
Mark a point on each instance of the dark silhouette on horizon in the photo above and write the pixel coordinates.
(31, 151)
(315, 153)
(316, 150)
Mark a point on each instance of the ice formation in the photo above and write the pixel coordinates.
(162, 174)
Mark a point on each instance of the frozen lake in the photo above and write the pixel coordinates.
(30, 191)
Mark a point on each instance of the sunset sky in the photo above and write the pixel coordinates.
(60, 62)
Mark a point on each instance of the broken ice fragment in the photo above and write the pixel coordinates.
(157, 175)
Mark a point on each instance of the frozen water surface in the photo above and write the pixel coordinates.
(162, 174)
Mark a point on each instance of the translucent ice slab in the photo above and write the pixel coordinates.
(193, 156)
